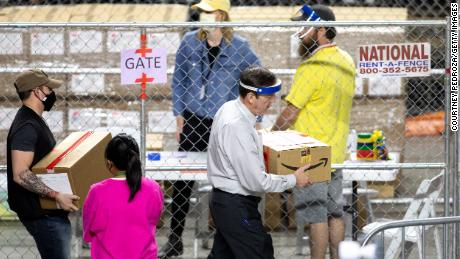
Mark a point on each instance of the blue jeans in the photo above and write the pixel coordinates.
(52, 234)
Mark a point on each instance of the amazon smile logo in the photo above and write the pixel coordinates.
(323, 161)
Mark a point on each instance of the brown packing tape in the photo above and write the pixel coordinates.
(81, 9)
(120, 11)
(305, 155)
(77, 18)
(61, 17)
(7, 13)
(139, 17)
(262, 13)
(369, 13)
(178, 13)
(284, 13)
(38, 13)
(22, 16)
(43, 15)
(175, 13)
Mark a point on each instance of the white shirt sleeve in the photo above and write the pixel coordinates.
(240, 146)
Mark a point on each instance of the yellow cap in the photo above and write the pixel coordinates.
(213, 5)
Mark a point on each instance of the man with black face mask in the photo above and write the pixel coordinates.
(29, 140)
(319, 104)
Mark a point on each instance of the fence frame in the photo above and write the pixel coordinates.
(451, 153)
(409, 223)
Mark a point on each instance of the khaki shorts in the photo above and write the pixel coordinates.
(318, 202)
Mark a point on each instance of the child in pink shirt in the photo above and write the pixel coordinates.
(120, 214)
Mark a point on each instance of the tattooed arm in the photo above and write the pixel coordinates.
(32, 183)
(23, 176)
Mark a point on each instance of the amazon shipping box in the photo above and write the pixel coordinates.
(286, 151)
(74, 165)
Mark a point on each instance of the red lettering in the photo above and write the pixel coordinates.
(405, 52)
(381, 49)
(373, 55)
(364, 53)
(424, 55)
(415, 53)
(395, 52)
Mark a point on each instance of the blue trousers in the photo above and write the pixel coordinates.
(240, 233)
(52, 234)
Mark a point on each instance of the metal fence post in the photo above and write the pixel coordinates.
(454, 156)
(116, 99)
(447, 145)
(144, 40)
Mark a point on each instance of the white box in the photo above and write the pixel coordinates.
(87, 83)
(170, 41)
(11, 43)
(359, 86)
(85, 118)
(85, 41)
(118, 40)
(119, 118)
(162, 121)
(45, 43)
(7, 117)
(55, 120)
(385, 86)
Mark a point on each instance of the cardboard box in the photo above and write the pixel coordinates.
(154, 142)
(286, 151)
(74, 165)
(279, 211)
(385, 189)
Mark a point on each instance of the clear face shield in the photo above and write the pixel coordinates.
(307, 14)
(266, 96)
(267, 90)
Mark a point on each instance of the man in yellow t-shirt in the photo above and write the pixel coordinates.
(319, 104)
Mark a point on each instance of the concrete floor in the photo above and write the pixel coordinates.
(16, 243)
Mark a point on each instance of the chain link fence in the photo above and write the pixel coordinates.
(242, 10)
(87, 58)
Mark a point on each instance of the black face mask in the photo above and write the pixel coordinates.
(49, 101)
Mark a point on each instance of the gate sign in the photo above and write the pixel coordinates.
(136, 64)
(397, 60)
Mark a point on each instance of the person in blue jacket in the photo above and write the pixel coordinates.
(208, 66)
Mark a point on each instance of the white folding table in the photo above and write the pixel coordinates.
(174, 159)
(193, 166)
(375, 175)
